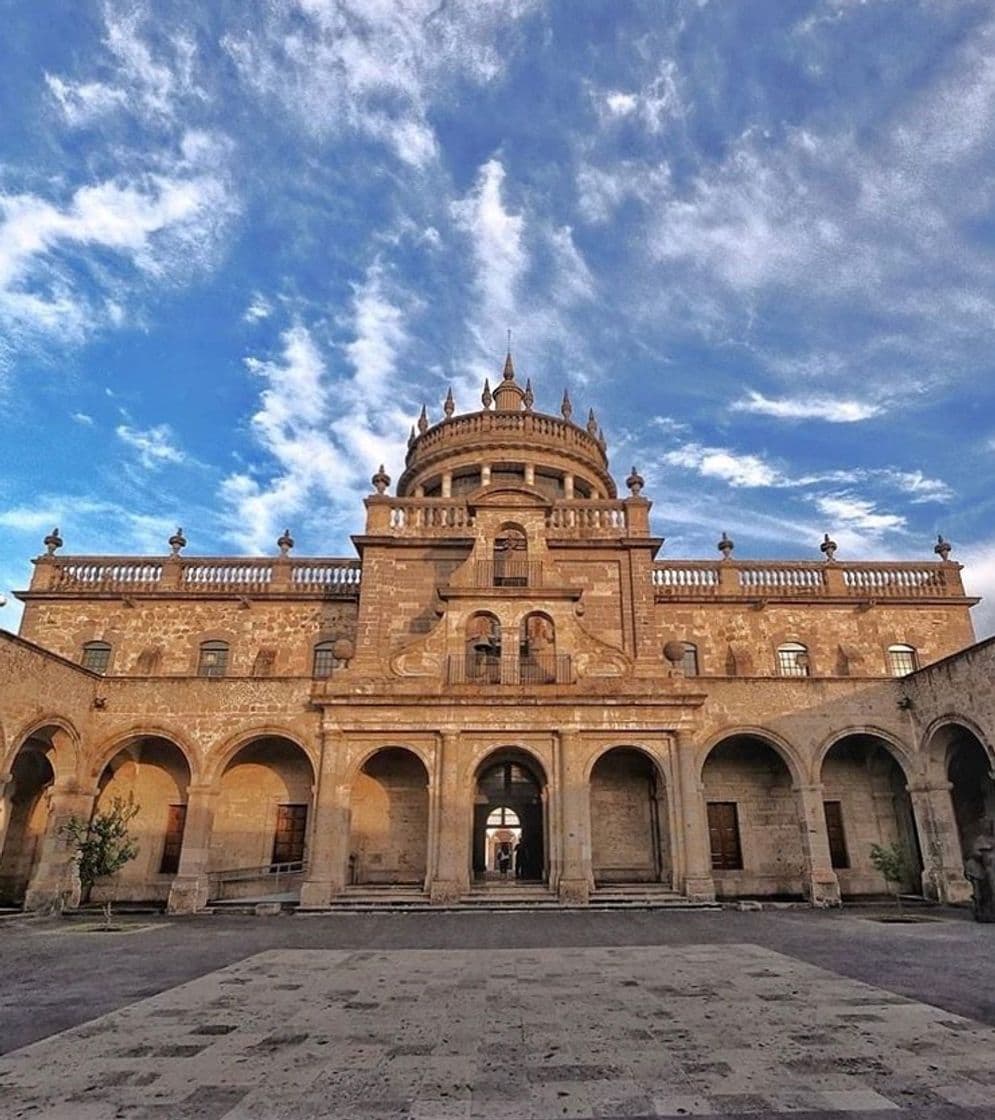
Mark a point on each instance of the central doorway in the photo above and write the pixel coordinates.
(508, 813)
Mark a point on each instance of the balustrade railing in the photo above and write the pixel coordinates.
(507, 573)
(703, 579)
(529, 424)
(428, 515)
(196, 575)
(587, 517)
(538, 669)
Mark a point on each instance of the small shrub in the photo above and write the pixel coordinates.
(103, 845)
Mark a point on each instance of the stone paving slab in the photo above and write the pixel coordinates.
(537, 1034)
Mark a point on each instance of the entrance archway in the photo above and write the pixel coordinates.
(154, 772)
(866, 802)
(27, 817)
(753, 820)
(388, 825)
(629, 840)
(513, 781)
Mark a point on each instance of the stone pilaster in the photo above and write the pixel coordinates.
(573, 800)
(696, 862)
(449, 873)
(48, 883)
(189, 890)
(822, 885)
(943, 867)
(329, 830)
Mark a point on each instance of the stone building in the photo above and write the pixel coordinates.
(507, 665)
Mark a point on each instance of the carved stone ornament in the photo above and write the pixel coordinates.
(725, 546)
(52, 542)
(450, 406)
(381, 480)
(635, 483)
(177, 542)
(566, 408)
(942, 548)
(828, 547)
(285, 543)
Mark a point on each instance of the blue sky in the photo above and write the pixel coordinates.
(241, 243)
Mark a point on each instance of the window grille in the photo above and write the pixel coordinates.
(902, 660)
(213, 659)
(324, 660)
(96, 656)
(792, 660)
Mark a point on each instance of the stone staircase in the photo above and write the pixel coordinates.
(643, 896)
(510, 895)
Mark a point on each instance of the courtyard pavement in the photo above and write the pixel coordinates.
(514, 1016)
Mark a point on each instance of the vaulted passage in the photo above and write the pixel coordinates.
(26, 815)
(515, 783)
(629, 842)
(152, 772)
(388, 834)
(865, 803)
(972, 789)
(753, 820)
(262, 817)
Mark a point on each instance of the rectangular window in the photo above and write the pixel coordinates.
(690, 663)
(324, 661)
(96, 656)
(723, 834)
(834, 830)
(291, 827)
(173, 845)
(213, 660)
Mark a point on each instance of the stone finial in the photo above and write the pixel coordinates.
(592, 423)
(450, 406)
(726, 545)
(177, 542)
(285, 542)
(52, 542)
(508, 373)
(828, 547)
(412, 437)
(635, 483)
(528, 397)
(602, 442)
(381, 480)
(566, 409)
(423, 420)
(485, 397)
(942, 548)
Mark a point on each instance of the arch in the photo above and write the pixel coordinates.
(967, 764)
(220, 758)
(933, 736)
(515, 778)
(265, 782)
(866, 803)
(65, 754)
(537, 649)
(899, 750)
(482, 648)
(789, 755)
(630, 840)
(24, 818)
(120, 740)
(388, 818)
(153, 772)
(750, 779)
(362, 759)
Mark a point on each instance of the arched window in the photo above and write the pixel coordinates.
(324, 660)
(537, 650)
(690, 660)
(96, 656)
(792, 660)
(213, 659)
(902, 659)
(511, 566)
(483, 649)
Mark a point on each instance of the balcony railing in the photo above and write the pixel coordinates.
(507, 573)
(806, 579)
(197, 575)
(539, 669)
(580, 518)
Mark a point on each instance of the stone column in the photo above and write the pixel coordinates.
(329, 829)
(568, 486)
(530, 474)
(451, 861)
(573, 799)
(822, 885)
(189, 890)
(6, 793)
(49, 880)
(447, 484)
(693, 823)
(943, 866)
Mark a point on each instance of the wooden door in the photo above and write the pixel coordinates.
(723, 834)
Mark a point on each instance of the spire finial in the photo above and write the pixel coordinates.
(528, 399)
(828, 547)
(52, 542)
(567, 409)
(381, 480)
(509, 368)
(725, 545)
(412, 437)
(450, 406)
(423, 420)
(485, 397)
(285, 543)
(592, 423)
(635, 483)
(177, 542)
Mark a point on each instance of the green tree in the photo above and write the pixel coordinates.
(893, 865)
(103, 845)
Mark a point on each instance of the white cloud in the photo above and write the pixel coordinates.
(259, 308)
(155, 446)
(653, 105)
(917, 486)
(833, 410)
(601, 190)
(325, 430)
(735, 469)
(858, 514)
(82, 418)
(978, 558)
(24, 519)
(372, 69)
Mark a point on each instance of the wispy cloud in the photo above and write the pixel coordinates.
(259, 308)
(832, 410)
(652, 105)
(156, 446)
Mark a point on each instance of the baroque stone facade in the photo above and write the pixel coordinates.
(507, 668)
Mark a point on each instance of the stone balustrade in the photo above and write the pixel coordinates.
(806, 579)
(575, 518)
(195, 575)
